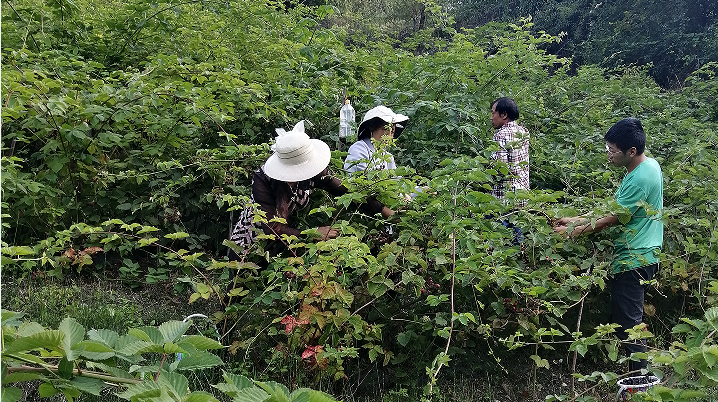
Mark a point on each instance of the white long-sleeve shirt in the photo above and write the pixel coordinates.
(361, 155)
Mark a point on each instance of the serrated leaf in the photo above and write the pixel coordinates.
(117, 372)
(152, 334)
(200, 396)
(146, 389)
(238, 380)
(199, 360)
(20, 377)
(177, 235)
(50, 339)
(277, 390)
(711, 316)
(539, 361)
(88, 385)
(147, 229)
(11, 394)
(95, 350)
(403, 338)
(64, 368)
(105, 336)
(46, 390)
(172, 330)
(228, 389)
(140, 347)
(201, 342)
(175, 382)
(146, 241)
(30, 328)
(74, 334)
(253, 394)
(314, 395)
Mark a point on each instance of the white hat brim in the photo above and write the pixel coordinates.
(279, 169)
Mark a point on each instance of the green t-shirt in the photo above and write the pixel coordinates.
(641, 239)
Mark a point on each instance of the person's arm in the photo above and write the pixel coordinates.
(584, 227)
(334, 186)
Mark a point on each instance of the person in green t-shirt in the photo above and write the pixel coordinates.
(637, 247)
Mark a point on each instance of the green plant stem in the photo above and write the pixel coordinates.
(453, 276)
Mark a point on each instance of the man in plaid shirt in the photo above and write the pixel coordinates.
(513, 150)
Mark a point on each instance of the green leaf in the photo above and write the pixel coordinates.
(146, 241)
(172, 330)
(201, 342)
(143, 390)
(178, 235)
(541, 363)
(177, 383)
(64, 368)
(147, 229)
(88, 385)
(140, 347)
(279, 392)
(253, 394)
(74, 334)
(47, 390)
(151, 334)
(18, 250)
(12, 394)
(19, 377)
(198, 360)
(105, 336)
(95, 350)
(200, 396)
(239, 381)
(50, 339)
(403, 338)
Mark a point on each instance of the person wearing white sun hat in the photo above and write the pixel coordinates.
(379, 123)
(283, 185)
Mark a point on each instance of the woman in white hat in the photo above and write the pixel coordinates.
(283, 185)
(379, 123)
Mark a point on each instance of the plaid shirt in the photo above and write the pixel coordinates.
(513, 150)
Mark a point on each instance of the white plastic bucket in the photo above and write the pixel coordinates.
(630, 385)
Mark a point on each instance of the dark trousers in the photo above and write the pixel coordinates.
(518, 237)
(627, 296)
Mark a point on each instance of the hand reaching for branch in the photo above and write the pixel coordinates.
(328, 232)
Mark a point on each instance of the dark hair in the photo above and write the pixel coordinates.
(627, 133)
(368, 127)
(508, 106)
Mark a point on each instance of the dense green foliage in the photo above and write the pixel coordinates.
(148, 361)
(673, 38)
(130, 131)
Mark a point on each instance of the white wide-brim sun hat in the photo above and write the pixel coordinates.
(385, 114)
(296, 156)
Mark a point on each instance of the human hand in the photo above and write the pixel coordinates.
(565, 221)
(328, 232)
(560, 229)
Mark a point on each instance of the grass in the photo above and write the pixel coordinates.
(98, 303)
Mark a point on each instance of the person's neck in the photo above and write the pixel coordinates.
(635, 161)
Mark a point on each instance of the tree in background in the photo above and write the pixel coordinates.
(674, 37)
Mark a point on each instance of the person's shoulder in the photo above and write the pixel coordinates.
(649, 167)
(358, 148)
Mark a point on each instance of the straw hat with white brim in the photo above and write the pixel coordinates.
(381, 113)
(296, 156)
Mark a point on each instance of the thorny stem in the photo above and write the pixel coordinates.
(453, 276)
(164, 357)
